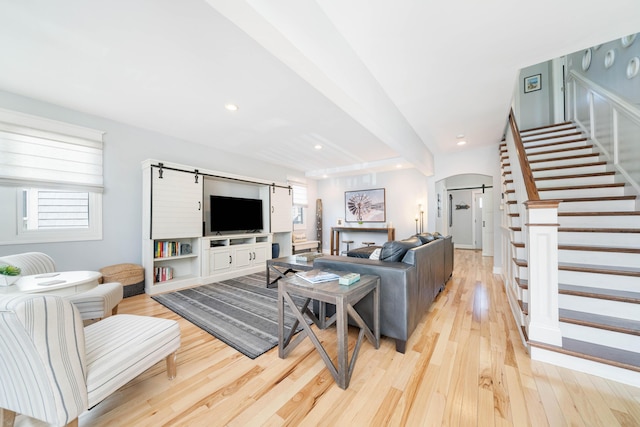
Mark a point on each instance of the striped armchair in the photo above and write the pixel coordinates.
(96, 303)
(53, 369)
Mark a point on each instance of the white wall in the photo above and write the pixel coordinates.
(483, 161)
(125, 147)
(535, 107)
(403, 189)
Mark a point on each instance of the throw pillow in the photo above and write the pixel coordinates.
(375, 254)
(426, 237)
(395, 251)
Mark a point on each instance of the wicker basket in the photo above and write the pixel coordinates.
(130, 275)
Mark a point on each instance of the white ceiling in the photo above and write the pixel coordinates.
(377, 83)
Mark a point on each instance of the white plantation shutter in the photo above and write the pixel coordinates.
(37, 152)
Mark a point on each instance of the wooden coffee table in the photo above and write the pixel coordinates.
(283, 266)
(344, 298)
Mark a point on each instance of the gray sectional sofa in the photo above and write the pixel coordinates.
(412, 272)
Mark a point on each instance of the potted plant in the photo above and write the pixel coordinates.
(8, 275)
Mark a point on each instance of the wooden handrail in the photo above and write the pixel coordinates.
(529, 183)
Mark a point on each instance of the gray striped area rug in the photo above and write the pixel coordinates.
(241, 312)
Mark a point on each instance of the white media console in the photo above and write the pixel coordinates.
(175, 255)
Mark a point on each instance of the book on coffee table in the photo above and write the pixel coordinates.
(308, 257)
(317, 276)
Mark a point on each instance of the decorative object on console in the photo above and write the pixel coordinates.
(365, 205)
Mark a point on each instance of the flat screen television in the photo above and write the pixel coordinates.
(235, 214)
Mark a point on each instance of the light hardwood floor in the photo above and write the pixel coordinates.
(464, 366)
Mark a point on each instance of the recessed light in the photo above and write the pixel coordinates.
(462, 142)
(460, 136)
(399, 166)
(231, 107)
(318, 147)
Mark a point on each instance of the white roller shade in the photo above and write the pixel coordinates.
(39, 152)
(299, 194)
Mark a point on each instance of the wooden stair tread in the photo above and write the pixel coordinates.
(595, 199)
(549, 168)
(583, 187)
(600, 293)
(599, 269)
(522, 283)
(578, 175)
(520, 262)
(591, 248)
(518, 244)
(613, 213)
(545, 138)
(597, 230)
(559, 150)
(552, 144)
(569, 124)
(599, 321)
(598, 353)
(555, 159)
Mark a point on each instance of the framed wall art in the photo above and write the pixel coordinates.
(532, 83)
(365, 205)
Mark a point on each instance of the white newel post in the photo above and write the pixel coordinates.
(542, 247)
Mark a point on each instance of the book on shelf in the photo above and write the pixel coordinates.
(348, 279)
(162, 274)
(308, 256)
(317, 276)
(165, 249)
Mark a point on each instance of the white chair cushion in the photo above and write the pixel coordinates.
(111, 344)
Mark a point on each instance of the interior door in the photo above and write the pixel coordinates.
(478, 202)
(487, 222)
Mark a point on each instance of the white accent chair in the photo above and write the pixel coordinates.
(54, 369)
(97, 303)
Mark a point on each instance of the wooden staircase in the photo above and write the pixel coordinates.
(598, 245)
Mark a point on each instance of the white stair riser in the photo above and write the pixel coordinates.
(515, 221)
(569, 171)
(534, 156)
(611, 281)
(570, 143)
(601, 337)
(616, 240)
(564, 162)
(597, 206)
(618, 221)
(516, 236)
(586, 192)
(521, 272)
(552, 136)
(586, 180)
(621, 310)
(520, 253)
(617, 259)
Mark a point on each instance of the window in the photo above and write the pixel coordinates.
(55, 171)
(299, 204)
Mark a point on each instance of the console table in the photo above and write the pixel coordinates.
(335, 235)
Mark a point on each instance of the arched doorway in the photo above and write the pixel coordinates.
(465, 210)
